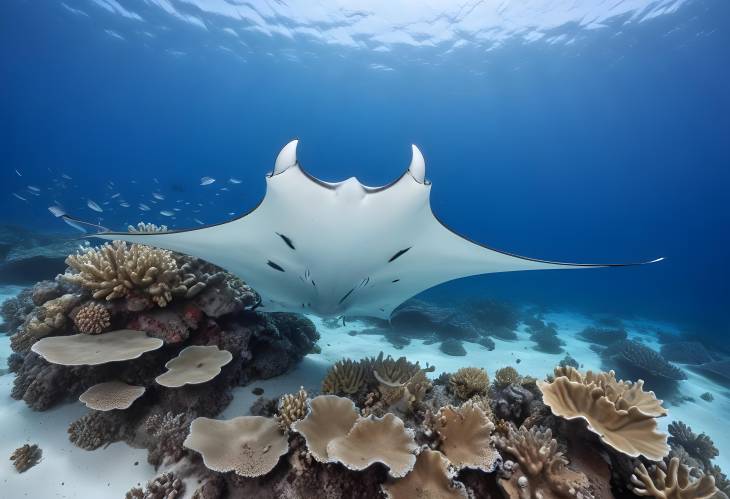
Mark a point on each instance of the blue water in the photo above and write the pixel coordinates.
(606, 142)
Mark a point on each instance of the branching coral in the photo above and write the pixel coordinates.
(623, 415)
(468, 382)
(699, 447)
(671, 482)
(292, 407)
(506, 376)
(542, 471)
(116, 270)
(92, 318)
(465, 437)
(390, 371)
(25, 457)
(147, 227)
(346, 377)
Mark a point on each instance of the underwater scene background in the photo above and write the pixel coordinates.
(569, 131)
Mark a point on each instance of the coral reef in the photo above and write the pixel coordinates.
(111, 395)
(346, 377)
(15, 310)
(671, 482)
(25, 457)
(545, 335)
(329, 417)
(464, 436)
(623, 415)
(506, 376)
(44, 320)
(493, 318)
(641, 361)
(146, 227)
(468, 382)
(686, 352)
(92, 318)
(602, 336)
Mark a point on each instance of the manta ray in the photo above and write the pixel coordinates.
(342, 248)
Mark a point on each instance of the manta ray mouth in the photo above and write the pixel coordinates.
(341, 248)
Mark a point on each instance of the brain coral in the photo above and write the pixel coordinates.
(623, 415)
(249, 445)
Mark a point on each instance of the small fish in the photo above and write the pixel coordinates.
(159, 196)
(235, 180)
(33, 188)
(199, 221)
(155, 180)
(33, 193)
(124, 204)
(225, 189)
(19, 174)
(20, 197)
(67, 177)
(207, 180)
(176, 209)
(231, 213)
(91, 204)
(144, 207)
(167, 213)
(116, 195)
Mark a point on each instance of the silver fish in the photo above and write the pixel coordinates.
(159, 196)
(124, 204)
(235, 180)
(116, 195)
(34, 188)
(199, 221)
(91, 204)
(19, 197)
(207, 180)
(63, 175)
(19, 174)
(167, 213)
(144, 207)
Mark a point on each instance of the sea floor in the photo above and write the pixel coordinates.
(69, 472)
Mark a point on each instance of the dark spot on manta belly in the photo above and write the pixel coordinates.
(395, 280)
(287, 240)
(399, 254)
(275, 266)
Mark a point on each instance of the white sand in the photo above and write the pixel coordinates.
(67, 471)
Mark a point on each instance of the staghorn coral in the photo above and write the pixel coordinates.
(346, 377)
(543, 471)
(165, 486)
(468, 382)
(111, 395)
(699, 447)
(671, 482)
(372, 440)
(292, 407)
(464, 436)
(329, 417)
(83, 349)
(249, 445)
(117, 270)
(25, 457)
(430, 478)
(194, 365)
(92, 318)
(623, 415)
(506, 376)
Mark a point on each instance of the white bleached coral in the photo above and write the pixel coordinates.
(249, 445)
(111, 395)
(116, 270)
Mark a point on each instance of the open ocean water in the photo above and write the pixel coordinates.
(586, 131)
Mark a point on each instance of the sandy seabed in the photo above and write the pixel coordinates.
(66, 471)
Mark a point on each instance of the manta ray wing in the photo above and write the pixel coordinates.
(340, 248)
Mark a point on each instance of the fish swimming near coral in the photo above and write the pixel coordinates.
(341, 249)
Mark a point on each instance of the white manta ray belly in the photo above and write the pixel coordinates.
(336, 249)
